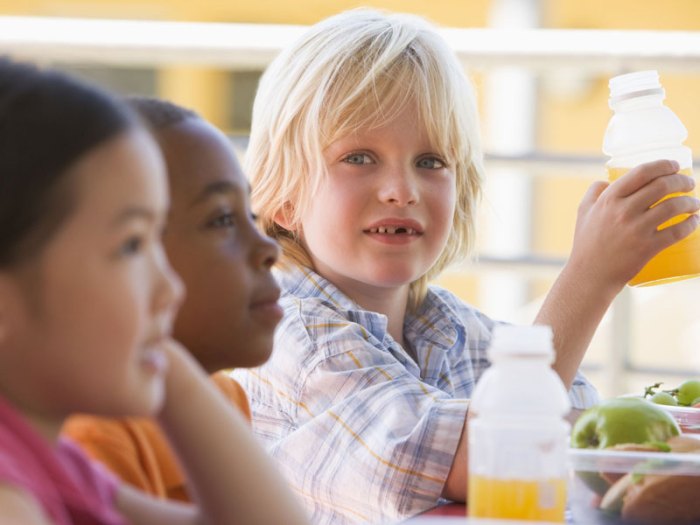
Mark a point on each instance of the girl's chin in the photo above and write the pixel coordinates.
(149, 397)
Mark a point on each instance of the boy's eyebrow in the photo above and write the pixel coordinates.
(217, 187)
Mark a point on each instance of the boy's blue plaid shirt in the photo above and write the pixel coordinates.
(363, 429)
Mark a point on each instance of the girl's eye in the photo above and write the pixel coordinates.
(225, 220)
(131, 246)
(358, 158)
(431, 163)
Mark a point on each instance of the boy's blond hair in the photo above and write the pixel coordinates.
(353, 71)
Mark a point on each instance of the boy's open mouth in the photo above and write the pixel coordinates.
(395, 226)
(393, 230)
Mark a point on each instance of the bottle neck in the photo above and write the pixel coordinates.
(621, 105)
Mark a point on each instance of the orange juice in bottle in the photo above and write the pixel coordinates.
(517, 433)
(542, 500)
(643, 129)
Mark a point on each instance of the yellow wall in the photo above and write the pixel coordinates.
(585, 115)
(448, 12)
(572, 119)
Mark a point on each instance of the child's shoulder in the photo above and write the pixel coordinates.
(327, 326)
(308, 298)
(441, 301)
(320, 317)
(442, 298)
(307, 287)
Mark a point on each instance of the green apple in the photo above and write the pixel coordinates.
(688, 391)
(620, 421)
(623, 420)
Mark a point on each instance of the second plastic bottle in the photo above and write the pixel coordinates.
(517, 432)
(643, 129)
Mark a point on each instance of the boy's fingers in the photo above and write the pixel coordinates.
(642, 175)
(675, 233)
(593, 193)
(670, 208)
(660, 187)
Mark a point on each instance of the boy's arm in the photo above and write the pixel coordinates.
(232, 479)
(455, 488)
(616, 234)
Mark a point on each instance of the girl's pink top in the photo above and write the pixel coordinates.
(70, 489)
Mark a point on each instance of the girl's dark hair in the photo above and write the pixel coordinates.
(48, 120)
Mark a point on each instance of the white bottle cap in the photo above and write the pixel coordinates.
(532, 340)
(637, 84)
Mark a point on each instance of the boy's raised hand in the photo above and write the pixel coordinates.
(616, 228)
(616, 235)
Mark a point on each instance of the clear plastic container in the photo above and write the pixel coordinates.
(687, 417)
(517, 432)
(643, 488)
(642, 129)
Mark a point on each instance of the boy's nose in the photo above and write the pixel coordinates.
(263, 251)
(399, 187)
(266, 252)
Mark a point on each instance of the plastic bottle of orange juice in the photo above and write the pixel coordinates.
(518, 436)
(643, 129)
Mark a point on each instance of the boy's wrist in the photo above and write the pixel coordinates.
(591, 281)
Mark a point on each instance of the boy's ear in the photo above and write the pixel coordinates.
(284, 217)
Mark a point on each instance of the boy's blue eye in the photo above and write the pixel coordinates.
(358, 158)
(431, 163)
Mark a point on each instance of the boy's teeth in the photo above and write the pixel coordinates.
(391, 230)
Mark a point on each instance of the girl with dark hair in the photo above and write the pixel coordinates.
(87, 300)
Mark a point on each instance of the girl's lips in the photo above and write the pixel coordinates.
(155, 360)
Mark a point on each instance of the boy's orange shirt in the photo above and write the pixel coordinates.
(136, 450)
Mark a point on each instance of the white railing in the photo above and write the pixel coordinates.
(246, 46)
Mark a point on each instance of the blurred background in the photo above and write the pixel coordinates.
(541, 69)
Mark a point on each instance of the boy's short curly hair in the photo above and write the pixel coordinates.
(158, 113)
(357, 70)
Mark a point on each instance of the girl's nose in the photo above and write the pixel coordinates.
(169, 289)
